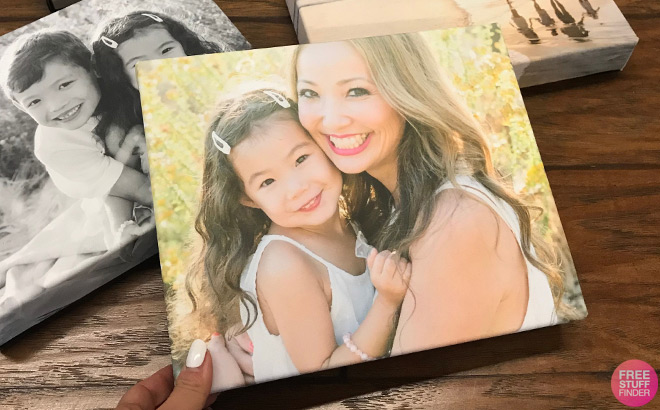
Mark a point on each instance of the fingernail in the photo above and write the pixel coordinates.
(196, 354)
(215, 334)
(251, 347)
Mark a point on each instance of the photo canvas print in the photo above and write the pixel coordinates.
(548, 40)
(55, 5)
(327, 204)
(75, 203)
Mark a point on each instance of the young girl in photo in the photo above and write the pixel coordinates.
(48, 75)
(121, 43)
(118, 46)
(278, 243)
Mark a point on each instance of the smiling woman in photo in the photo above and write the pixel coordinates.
(380, 107)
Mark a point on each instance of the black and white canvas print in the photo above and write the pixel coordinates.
(332, 203)
(75, 202)
(548, 40)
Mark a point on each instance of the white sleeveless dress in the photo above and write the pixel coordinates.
(352, 297)
(540, 305)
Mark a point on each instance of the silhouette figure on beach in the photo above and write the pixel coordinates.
(520, 23)
(589, 9)
(545, 19)
(574, 30)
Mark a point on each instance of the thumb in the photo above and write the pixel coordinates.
(194, 382)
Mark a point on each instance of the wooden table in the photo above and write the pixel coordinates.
(600, 140)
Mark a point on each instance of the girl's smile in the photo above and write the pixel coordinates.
(312, 204)
(69, 114)
(65, 97)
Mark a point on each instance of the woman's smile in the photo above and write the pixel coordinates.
(349, 144)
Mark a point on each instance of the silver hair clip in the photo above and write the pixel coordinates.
(153, 17)
(220, 144)
(362, 248)
(108, 42)
(278, 98)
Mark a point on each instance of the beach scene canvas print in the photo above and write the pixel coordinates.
(328, 204)
(548, 40)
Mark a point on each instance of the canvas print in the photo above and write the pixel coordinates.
(75, 202)
(54, 5)
(548, 40)
(328, 204)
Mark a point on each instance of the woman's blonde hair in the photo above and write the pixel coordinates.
(441, 140)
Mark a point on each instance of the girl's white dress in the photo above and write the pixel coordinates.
(352, 297)
(540, 305)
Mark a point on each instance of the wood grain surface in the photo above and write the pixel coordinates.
(599, 137)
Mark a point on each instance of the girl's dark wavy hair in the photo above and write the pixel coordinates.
(120, 102)
(229, 232)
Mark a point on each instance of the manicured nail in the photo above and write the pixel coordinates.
(251, 347)
(196, 354)
(215, 334)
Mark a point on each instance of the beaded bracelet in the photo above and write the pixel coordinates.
(353, 348)
(123, 226)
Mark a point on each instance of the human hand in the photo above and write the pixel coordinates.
(191, 391)
(241, 348)
(113, 139)
(131, 231)
(125, 147)
(135, 134)
(132, 145)
(226, 372)
(139, 143)
(390, 275)
(144, 160)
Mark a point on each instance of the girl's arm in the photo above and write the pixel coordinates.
(133, 185)
(466, 263)
(291, 291)
(119, 210)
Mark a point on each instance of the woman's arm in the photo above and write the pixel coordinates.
(464, 266)
(291, 291)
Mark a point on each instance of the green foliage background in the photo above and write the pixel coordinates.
(179, 97)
